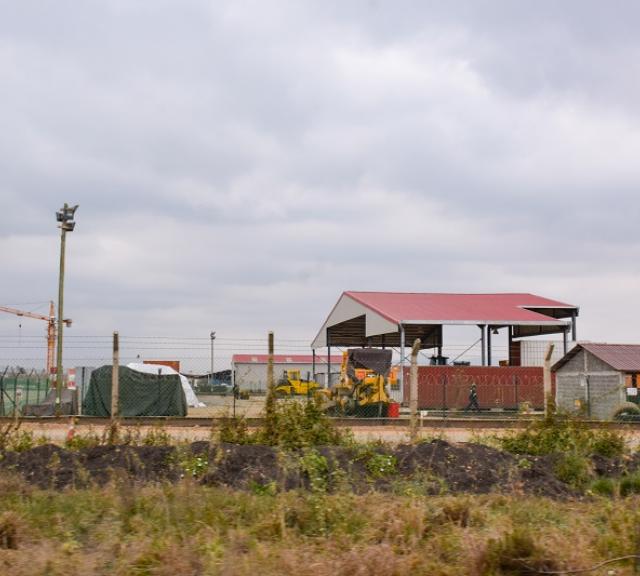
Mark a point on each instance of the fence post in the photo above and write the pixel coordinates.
(28, 385)
(115, 378)
(2, 390)
(15, 395)
(515, 385)
(413, 389)
(546, 379)
(270, 407)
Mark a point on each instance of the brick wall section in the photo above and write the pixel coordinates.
(498, 387)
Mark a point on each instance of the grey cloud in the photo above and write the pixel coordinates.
(246, 162)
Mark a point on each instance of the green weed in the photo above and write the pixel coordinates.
(573, 469)
(604, 487)
(559, 434)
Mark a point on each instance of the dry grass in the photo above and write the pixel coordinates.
(190, 529)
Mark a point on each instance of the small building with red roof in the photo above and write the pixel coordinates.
(598, 380)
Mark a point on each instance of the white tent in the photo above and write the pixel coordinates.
(192, 399)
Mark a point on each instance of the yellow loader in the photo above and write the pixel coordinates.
(292, 384)
(362, 388)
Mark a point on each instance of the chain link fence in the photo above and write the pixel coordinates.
(20, 387)
(221, 375)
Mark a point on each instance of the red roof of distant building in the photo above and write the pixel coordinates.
(283, 359)
(443, 308)
(622, 357)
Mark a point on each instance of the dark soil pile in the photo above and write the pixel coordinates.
(435, 466)
(51, 466)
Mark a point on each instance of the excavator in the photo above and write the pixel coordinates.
(51, 328)
(362, 388)
(292, 384)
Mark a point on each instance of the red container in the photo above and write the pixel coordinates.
(394, 410)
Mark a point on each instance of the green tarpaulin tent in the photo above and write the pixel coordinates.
(140, 394)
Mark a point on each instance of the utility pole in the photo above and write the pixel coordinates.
(65, 217)
(213, 338)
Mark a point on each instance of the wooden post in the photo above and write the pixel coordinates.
(547, 380)
(413, 389)
(270, 403)
(270, 380)
(115, 378)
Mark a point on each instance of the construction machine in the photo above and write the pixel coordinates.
(292, 384)
(51, 328)
(362, 388)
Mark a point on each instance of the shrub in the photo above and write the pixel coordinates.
(380, 465)
(234, 430)
(516, 553)
(630, 484)
(560, 434)
(608, 443)
(315, 466)
(604, 487)
(573, 469)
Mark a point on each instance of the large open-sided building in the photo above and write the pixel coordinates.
(396, 319)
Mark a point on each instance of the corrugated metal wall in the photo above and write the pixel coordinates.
(497, 387)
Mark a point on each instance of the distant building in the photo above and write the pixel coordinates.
(249, 371)
(597, 379)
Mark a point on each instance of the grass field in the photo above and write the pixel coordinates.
(190, 529)
(300, 497)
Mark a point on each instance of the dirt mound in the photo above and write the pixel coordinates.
(464, 467)
(51, 466)
(433, 466)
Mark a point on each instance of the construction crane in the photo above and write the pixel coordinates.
(51, 328)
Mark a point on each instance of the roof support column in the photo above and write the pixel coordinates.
(483, 344)
(402, 344)
(488, 345)
(565, 338)
(328, 360)
(313, 363)
(574, 333)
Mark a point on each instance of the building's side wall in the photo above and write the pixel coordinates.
(589, 386)
(253, 376)
(596, 365)
(570, 392)
(606, 394)
(575, 364)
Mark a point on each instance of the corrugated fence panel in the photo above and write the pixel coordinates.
(497, 387)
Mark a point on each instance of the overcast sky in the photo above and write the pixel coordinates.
(239, 164)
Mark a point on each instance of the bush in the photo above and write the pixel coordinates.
(630, 484)
(381, 465)
(559, 434)
(608, 443)
(573, 469)
(604, 487)
(516, 553)
(290, 424)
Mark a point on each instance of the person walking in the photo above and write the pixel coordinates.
(473, 399)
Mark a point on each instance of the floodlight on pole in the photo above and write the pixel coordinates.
(213, 338)
(65, 216)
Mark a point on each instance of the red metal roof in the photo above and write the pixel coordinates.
(623, 357)
(442, 308)
(283, 359)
